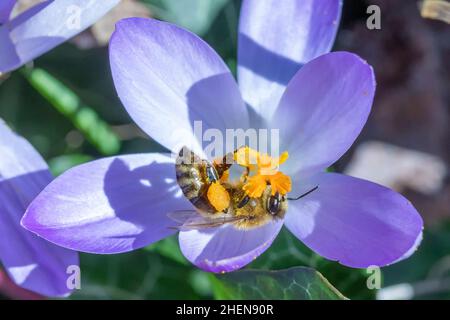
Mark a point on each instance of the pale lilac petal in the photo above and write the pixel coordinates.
(226, 248)
(167, 78)
(323, 110)
(353, 221)
(31, 262)
(110, 205)
(6, 7)
(45, 26)
(276, 38)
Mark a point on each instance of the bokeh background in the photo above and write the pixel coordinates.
(65, 104)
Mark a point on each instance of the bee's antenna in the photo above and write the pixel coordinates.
(305, 194)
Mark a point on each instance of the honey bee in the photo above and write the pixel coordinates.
(195, 176)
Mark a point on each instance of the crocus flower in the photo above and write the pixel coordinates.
(31, 262)
(43, 27)
(167, 78)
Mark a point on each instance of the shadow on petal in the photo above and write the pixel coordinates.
(12, 55)
(143, 202)
(286, 68)
(217, 103)
(8, 55)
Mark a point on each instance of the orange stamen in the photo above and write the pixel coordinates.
(266, 172)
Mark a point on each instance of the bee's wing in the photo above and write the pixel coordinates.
(191, 220)
(182, 216)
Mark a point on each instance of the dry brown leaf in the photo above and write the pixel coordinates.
(98, 35)
(436, 9)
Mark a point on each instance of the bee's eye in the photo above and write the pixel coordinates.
(273, 205)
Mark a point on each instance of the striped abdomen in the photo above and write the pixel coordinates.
(194, 177)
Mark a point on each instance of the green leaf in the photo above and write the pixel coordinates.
(83, 117)
(287, 251)
(299, 283)
(195, 15)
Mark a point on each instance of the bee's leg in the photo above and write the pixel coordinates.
(223, 164)
(243, 201)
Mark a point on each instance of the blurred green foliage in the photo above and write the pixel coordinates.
(136, 275)
(428, 269)
(83, 117)
(62, 163)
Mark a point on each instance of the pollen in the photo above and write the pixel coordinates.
(218, 196)
(255, 186)
(280, 183)
(265, 170)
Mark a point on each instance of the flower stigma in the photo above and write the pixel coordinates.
(263, 170)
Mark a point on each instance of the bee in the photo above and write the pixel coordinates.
(195, 176)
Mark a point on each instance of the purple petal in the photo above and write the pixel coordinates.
(276, 38)
(226, 248)
(167, 78)
(31, 262)
(45, 26)
(355, 222)
(110, 205)
(323, 110)
(6, 7)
